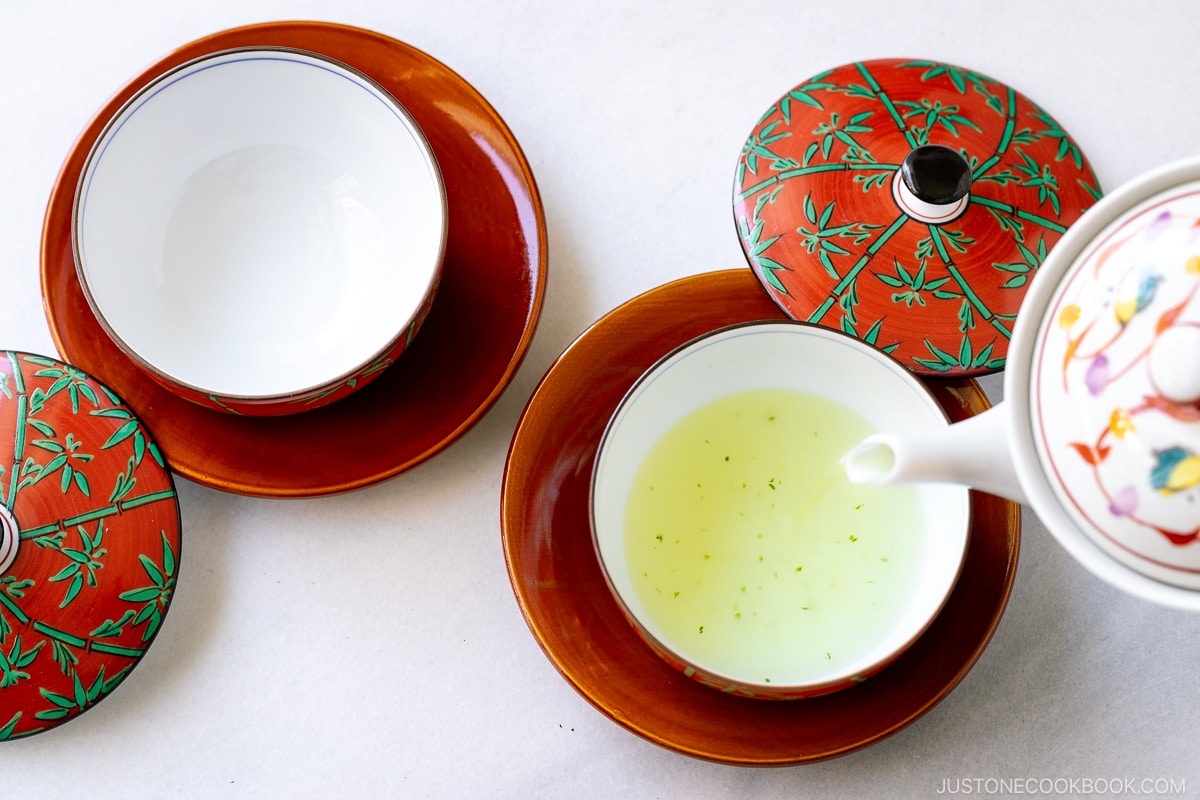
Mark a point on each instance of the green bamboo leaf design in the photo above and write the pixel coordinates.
(809, 152)
(1025, 136)
(152, 570)
(765, 199)
(1009, 224)
(52, 540)
(83, 563)
(761, 247)
(860, 91)
(872, 335)
(43, 428)
(13, 663)
(52, 714)
(6, 732)
(1002, 177)
(168, 555)
(823, 222)
(804, 95)
(145, 613)
(848, 302)
(64, 656)
(37, 401)
(141, 595)
(982, 359)
(768, 273)
(112, 629)
(152, 626)
(53, 465)
(7, 392)
(72, 590)
(86, 390)
(934, 366)
(27, 657)
(827, 263)
(750, 161)
(61, 706)
(966, 317)
(97, 688)
(957, 240)
(872, 181)
(15, 588)
(944, 361)
(121, 434)
(47, 444)
(156, 596)
(81, 694)
(58, 699)
(124, 483)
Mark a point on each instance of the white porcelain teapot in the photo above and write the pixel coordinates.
(1099, 429)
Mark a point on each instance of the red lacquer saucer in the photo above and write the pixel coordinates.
(567, 604)
(469, 349)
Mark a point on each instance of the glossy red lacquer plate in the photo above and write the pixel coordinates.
(480, 328)
(568, 606)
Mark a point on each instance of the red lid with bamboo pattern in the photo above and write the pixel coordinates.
(908, 203)
(89, 542)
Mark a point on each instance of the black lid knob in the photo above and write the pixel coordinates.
(936, 174)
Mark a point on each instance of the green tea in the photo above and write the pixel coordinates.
(751, 550)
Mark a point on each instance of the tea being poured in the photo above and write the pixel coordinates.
(752, 552)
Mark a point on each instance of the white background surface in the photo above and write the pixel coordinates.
(369, 644)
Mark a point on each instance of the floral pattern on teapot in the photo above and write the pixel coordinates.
(1121, 442)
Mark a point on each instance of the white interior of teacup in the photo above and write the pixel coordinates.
(258, 223)
(811, 360)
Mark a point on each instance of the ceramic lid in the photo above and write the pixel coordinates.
(89, 542)
(908, 203)
(1115, 385)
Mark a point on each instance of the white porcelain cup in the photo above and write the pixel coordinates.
(823, 586)
(262, 230)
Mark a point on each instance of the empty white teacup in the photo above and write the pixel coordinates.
(728, 531)
(262, 230)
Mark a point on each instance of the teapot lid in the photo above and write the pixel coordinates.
(908, 203)
(1114, 377)
(89, 542)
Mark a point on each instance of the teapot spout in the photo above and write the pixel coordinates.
(973, 452)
